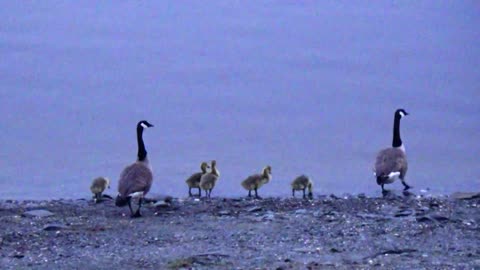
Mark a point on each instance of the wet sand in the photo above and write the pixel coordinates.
(397, 231)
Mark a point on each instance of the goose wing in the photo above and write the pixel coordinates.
(135, 178)
(390, 160)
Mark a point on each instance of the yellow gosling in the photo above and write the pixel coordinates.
(302, 182)
(98, 186)
(194, 180)
(254, 182)
(208, 180)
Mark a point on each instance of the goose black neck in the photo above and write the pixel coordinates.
(397, 141)
(142, 152)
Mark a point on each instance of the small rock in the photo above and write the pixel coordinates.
(54, 227)
(269, 216)
(372, 216)
(301, 211)
(439, 218)
(430, 218)
(403, 213)
(38, 213)
(424, 219)
(18, 255)
(254, 209)
(161, 204)
(334, 250)
(303, 250)
(224, 213)
(361, 196)
(465, 195)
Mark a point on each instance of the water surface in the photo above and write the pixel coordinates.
(304, 86)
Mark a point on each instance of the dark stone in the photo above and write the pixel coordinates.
(224, 213)
(54, 227)
(254, 209)
(404, 213)
(465, 195)
(161, 204)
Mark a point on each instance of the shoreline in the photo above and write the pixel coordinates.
(396, 231)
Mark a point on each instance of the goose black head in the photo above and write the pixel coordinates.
(400, 113)
(144, 124)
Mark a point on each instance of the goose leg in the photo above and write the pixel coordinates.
(199, 192)
(249, 193)
(130, 206)
(384, 191)
(293, 192)
(189, 191)
(407, 187)
(304, 194)
(98, 197)
(256, 194)
(137, 213)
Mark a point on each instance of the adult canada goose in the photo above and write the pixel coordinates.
(302, 182)
(194, 180)
(136, 179)
(391, 163)
(254, 182)
(208, 180)
(98, 186)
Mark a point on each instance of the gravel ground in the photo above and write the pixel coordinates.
(402, 231)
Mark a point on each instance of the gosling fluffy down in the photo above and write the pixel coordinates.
(194, 180)
(254, 182)
(208, 180)
(302, 182)
(98, 186)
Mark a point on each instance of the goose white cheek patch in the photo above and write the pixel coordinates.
(402, 114)
(143, 125)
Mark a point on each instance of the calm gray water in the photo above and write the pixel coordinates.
(305, 86)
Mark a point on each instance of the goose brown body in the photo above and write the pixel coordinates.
(391, 163)
(136, 179)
